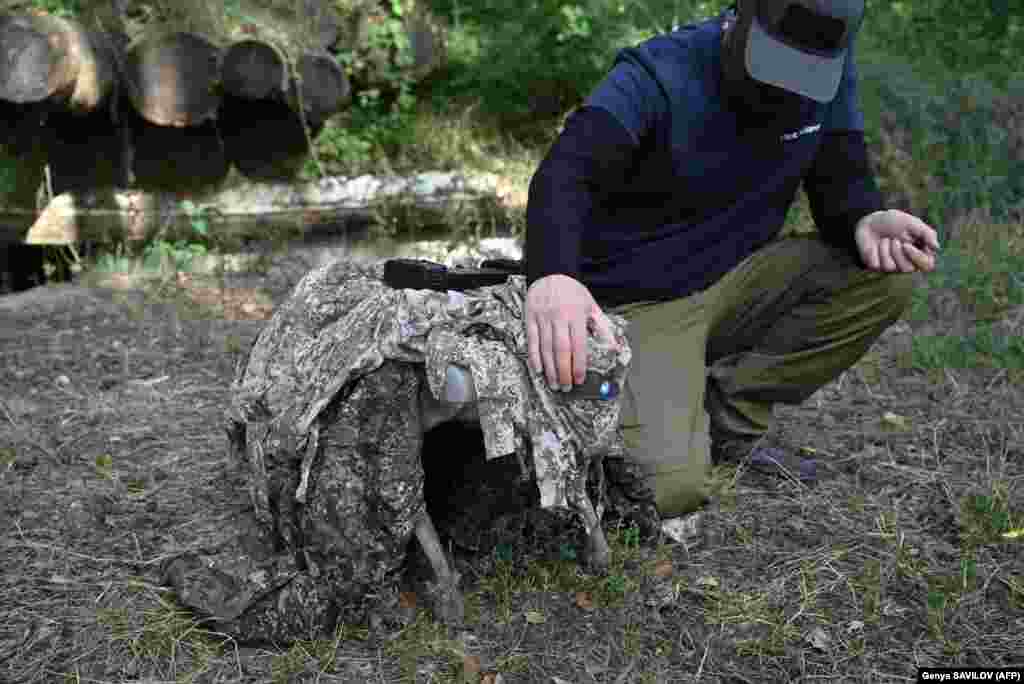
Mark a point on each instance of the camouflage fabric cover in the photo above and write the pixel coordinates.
(326, 421)
(342, 323)
(339, 556)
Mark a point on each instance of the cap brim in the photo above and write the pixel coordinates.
(771, 61)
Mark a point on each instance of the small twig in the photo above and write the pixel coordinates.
(992, 382)
(100, 559)
(700, 668)
(308, 459)
(952, 381)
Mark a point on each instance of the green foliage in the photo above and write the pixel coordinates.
(985, 517)
(534, 60)
(8, 174)
(160, 253)
(362, 138)
(985, 269)
(981, 348)
(946, 143)
(178, 254)
(965, 36)
(60, 8)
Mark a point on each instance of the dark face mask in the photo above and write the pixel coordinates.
(757, 104)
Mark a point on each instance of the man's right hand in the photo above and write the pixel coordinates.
(558, 309)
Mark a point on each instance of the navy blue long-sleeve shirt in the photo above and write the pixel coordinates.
(656, 188)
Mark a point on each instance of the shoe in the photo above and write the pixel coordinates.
(762, 456)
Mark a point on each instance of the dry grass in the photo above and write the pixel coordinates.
(112, 462)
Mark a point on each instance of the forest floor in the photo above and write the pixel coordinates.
(908, 553)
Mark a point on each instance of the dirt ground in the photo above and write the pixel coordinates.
(112, 462)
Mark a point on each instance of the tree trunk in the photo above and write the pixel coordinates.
(172, 79)
(47, 58)
(255, 211)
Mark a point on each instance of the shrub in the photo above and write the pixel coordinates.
(944, 148)
(535, 60)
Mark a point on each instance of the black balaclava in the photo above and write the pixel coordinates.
(758, 105)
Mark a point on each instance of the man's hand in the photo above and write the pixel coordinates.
(558, 309)
(893, 241)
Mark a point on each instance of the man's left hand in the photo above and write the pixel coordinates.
(893, 241)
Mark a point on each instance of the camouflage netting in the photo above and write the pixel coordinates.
(327, 421)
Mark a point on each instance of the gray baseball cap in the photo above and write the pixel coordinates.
(799, 45)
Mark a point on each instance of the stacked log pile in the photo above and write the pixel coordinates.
(157, 97)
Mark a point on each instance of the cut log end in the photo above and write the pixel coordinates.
(25, 64)
(325, 89)
(46, 59)
(255, 70)
(172, 79)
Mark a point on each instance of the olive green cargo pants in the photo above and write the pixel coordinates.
(784, 322)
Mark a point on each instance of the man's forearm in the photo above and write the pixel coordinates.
(841, 187)
(591, 151)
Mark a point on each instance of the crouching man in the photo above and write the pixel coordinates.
(662, 201)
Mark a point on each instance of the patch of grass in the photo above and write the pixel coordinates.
(985, 264)
(985, 517)
(752, 610)
(869, 584)
(169, 629)
(425, 638)
(510, 578)
(1015, 584)
(315, 657)
(981, 349)
(8, 457)
(162, 634)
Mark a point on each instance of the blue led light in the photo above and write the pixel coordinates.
(608, 389)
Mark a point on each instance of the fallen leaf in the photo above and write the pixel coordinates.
(491, 678)
(407, 600)
(1014, 534)
(895, 421)
(584, 600)
(535, 617)
(819, 639)
(470, 669)
(663, 569)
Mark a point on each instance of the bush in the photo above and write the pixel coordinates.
(944, 147)
(531, 62)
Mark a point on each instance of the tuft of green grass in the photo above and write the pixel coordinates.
(424, 638)
(169, 629)
(986, 517)
(8, 457)
(510, 578)
(754, 611)
(315, 657)
(869, 584)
